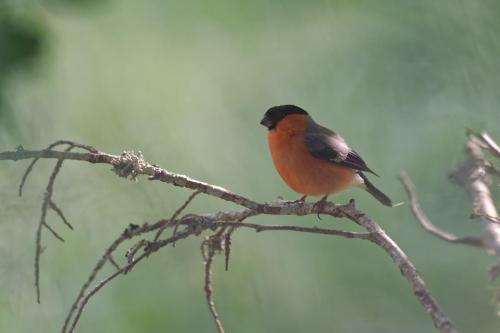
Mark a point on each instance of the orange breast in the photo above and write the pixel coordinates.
(304, 173)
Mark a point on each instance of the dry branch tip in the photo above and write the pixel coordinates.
(131, 165)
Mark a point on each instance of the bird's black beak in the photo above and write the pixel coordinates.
(267, 122)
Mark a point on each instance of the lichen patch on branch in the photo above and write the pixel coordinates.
(218, 225)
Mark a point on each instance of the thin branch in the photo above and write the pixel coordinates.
(310, 230)
(130, 255)
(55, 144)
(227, 247)
(208, 255)
(52, 231)
(155, 246)
(89, 296)
(47, 199)
(130, 232)
(139, 167)
(176, 214)
(60, 213)
(32, 164)
(197, 224)
(406, 267)
(427, 224)
(194, 224)
(492, 145)
(131, 165)
(113, 262)
(472, 175)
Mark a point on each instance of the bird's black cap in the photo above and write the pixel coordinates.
(273, 116)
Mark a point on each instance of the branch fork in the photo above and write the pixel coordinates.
(474, 175)
(219, 226)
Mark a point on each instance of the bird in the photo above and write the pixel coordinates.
(314, 160)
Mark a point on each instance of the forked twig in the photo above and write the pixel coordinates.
(130, 232)
(60, 213)
(221, 223)
(176, 214)
(492, 145)
(473, 174)
(36, 158)
(46, 203)
(427, 224)
(155, 246)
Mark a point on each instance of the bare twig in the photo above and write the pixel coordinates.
(309, 230)
(473, 177)
(46, 203)
(208, 254)
(125, 269)
(113, 262)
(227, 248)
(492, 145)
(131, 253)
(55, 144)
(131, 165)
(123, 162)
(130, 232)
(60, 213)
(176, 214)
(427, 224)
(88, 296)
(407, 269)
(195, 224)
(52, 231)
(90, 279)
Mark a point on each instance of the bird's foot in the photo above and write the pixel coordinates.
(302, 199)
(320, 205)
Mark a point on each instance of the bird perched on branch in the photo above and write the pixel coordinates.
(312, 159)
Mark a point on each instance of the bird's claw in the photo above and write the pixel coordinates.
(320, 205)
(302, 199)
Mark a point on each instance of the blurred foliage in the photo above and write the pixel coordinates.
(23, 36)
(186, 82)
(20, 43)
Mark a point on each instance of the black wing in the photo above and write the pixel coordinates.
(328, 146)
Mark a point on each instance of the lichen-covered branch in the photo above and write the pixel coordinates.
(220, 225)
(473, 174)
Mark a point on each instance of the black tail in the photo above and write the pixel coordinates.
(370, 188)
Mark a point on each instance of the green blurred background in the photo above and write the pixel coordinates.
(187, 83)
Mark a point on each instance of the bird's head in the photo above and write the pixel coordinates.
(275, 114)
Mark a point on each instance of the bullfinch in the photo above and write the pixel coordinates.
(312, 159)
